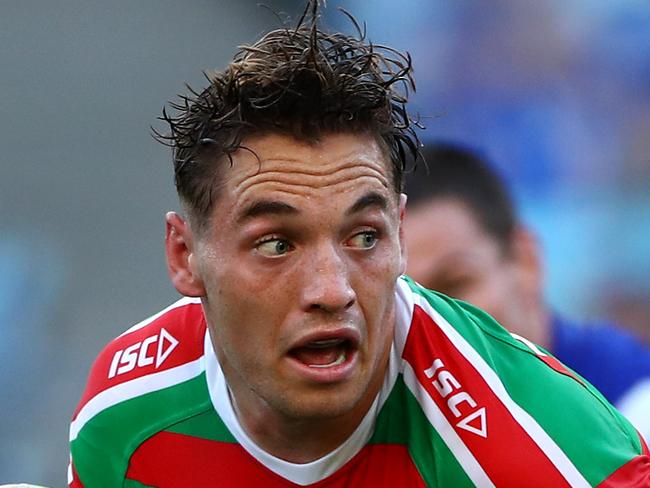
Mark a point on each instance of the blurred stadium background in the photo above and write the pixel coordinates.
(556, 92)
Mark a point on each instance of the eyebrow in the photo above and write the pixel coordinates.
(372, 199)
(266, 207)
(271, 207)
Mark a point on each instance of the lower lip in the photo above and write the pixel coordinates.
(332, 374)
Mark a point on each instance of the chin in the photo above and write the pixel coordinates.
(320, 405)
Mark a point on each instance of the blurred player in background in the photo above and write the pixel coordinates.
(464, 239)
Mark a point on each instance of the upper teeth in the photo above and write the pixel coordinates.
(325, 343)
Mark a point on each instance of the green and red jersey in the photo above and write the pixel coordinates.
(464, 403)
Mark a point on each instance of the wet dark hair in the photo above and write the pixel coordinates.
(301, 82)
(460, 173)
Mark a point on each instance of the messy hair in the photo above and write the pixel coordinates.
(298, 81)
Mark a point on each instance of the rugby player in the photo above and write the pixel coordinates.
(465, 239)
(300, 355)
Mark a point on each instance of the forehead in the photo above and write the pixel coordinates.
(280, 164)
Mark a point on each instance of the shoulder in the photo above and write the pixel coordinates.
(145, 379)
(485, 389)
(163, 341)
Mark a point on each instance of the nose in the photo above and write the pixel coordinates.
(326, 281)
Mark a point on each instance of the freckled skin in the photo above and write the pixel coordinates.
(259, 300)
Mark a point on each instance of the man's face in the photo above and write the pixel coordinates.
(449, 252)
(299, 267)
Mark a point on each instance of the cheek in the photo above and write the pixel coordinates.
(381, 271)
(240, 340)
(250, 308)
(395, 256)
(374, 281)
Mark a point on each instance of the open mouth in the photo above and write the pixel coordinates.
(323, 353)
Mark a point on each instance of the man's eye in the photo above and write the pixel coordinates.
(274, 247)
(364, 240)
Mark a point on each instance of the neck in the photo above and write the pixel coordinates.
(303, 438)
(298, 441)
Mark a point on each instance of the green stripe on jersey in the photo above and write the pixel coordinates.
(553, 394)
(401, 421)
(103, 447)
(595, 456)
(206, 425)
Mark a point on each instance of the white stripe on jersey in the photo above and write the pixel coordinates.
(179, 303)
(527, 422)
(530, 345)
(403, 315)
(135, 388)
(439, 422)
(70, 475)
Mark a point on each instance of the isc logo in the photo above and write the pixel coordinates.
(473, 420)
(143, 353)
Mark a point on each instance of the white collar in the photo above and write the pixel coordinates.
(312, 472)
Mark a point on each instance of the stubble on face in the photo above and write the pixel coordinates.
(300, 266)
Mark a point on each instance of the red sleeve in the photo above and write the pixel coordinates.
(180, 328)
(633, 474)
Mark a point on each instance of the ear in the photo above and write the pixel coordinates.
(181, 260)
(527, 256)
(402, 244)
